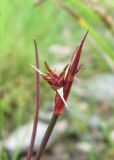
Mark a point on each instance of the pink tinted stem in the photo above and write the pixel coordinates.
(30, 151)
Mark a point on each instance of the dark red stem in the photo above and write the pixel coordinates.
(30, 151)
(46, 136)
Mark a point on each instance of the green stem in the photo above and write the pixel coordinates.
(46, 136)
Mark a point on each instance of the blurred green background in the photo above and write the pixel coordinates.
(51, 23)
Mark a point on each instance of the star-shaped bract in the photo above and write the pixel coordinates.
(57, 82)
(62, 82)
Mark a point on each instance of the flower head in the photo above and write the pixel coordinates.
(56, 81)
(62, 82)
(72, 71)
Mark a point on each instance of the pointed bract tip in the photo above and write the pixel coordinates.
(84, 37)
(40, 72)
(46, 65)
(34, 41)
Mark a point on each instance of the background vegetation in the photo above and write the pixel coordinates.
(50, 22)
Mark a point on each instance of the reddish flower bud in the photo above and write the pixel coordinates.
(73, 69)
(62, 83)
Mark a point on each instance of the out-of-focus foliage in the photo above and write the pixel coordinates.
(97, 20)
(51, 22)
